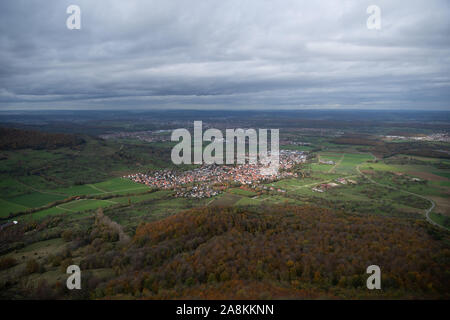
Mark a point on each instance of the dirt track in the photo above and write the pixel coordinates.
(427, 212)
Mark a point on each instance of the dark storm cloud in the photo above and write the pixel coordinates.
(224, 54)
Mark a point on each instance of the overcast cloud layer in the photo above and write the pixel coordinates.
(224, 54)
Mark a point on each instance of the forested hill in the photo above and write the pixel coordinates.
(303, 252)
(13, 139)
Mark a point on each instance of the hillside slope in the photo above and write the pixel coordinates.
(304, 252)
(13, 139)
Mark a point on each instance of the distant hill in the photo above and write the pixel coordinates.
(13, 139)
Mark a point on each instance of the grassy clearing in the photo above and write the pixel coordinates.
(350, 162)
(37, 250)
(9, 207)
(85, 204)
(445, 174)
(326, 156)
(143, 198)
(300, 148)
(226, 199)
(440, 219)
(10, 187)
(399, 176)
(117, 185)
(321, 167)
(36, 199)
(276, 199)
(407, 168)
(248, 202)
(345, 163)
(78, 190)
(44, 213)
(242, 192)
(151, 207)
(42, 245)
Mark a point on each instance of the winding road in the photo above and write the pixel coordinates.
(427, 212)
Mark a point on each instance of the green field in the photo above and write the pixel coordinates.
(242, 192)
(293, 147)
(247, 202)
(86, 204)
(314, 179)
(355, 198)
(31, 178)
(350, 161)
(321, 167)
(142, 198)
(225, 199)
(9, 207)
(118, 185)
(440, 219)
(35, 199)
(78, 190)
(401, 176)
(344, 162)
(44, 213)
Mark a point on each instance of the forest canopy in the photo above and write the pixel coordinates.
(13, 139)
(306, 252)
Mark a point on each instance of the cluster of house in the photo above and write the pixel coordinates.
(147, 136)
(441, 137)
(199, 191)
(209, 180)
(289, 158)
(294, 143)
(325, 186)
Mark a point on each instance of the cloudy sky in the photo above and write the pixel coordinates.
(224, 54)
